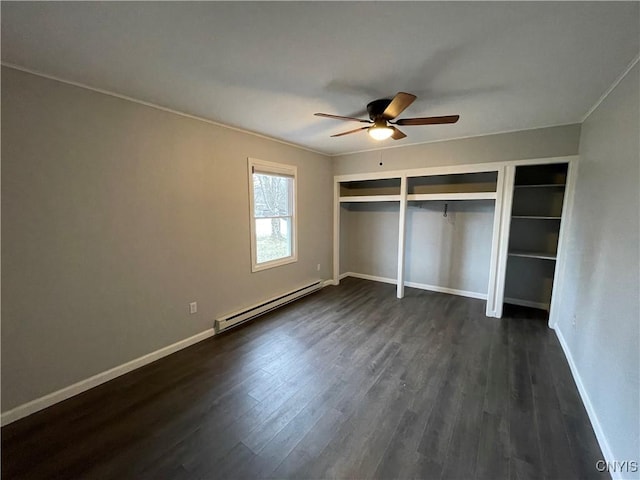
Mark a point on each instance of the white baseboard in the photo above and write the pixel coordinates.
(593, 418)
(452, 291)
(373, 278)
(41, 403)
(328, 283)
(421, 286)
(527, 303)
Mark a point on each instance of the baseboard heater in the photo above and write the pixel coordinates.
(254, 311)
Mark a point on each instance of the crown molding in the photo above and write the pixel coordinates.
(611, 88)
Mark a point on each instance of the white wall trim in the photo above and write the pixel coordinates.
(402, 229)
(336, 233)
(421, 286)
(452, 169)
(373, 278)
(494, 294)
(50, 399)
(559, 276)
(611, 88)
(593, 417)
(328, 283)
(452, 291)
(156, 106)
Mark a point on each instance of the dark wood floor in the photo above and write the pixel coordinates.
(348, 382)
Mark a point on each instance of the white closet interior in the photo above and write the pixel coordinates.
(487, 231)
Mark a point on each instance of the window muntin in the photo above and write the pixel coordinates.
(273, 227)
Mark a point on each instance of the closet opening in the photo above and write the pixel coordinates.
(536, 216)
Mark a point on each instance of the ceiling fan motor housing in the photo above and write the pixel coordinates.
(377, 107)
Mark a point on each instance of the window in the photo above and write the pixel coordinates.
(272, 195)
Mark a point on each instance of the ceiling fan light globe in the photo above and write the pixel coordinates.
(380, 133)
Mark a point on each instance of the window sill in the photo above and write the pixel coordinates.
(273, 263)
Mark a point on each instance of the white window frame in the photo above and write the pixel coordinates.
(275, 169)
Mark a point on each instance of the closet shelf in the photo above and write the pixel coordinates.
(539, 255)
(542, 185)
(369, 198)
(536, 217)
(451, 196)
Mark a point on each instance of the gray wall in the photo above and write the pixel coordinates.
(114, 217)
(539, 143)
(601, 287)
(453, 252)
(369, 236)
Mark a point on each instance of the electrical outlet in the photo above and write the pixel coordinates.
(318, 267)
(573, 320)
(193, 307)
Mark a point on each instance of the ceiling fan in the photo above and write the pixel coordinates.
(381, 114)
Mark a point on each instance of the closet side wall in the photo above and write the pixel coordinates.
(371, 234)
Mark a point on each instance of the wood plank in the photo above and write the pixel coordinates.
(494, 447)
(525, 459)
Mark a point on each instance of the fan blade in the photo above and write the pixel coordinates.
(428, 120)
(350, 131)
(401, 101)
(397, 134)
(338, 117)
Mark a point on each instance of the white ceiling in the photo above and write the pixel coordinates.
(267, 67)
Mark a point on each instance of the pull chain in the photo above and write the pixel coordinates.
(446, 207)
